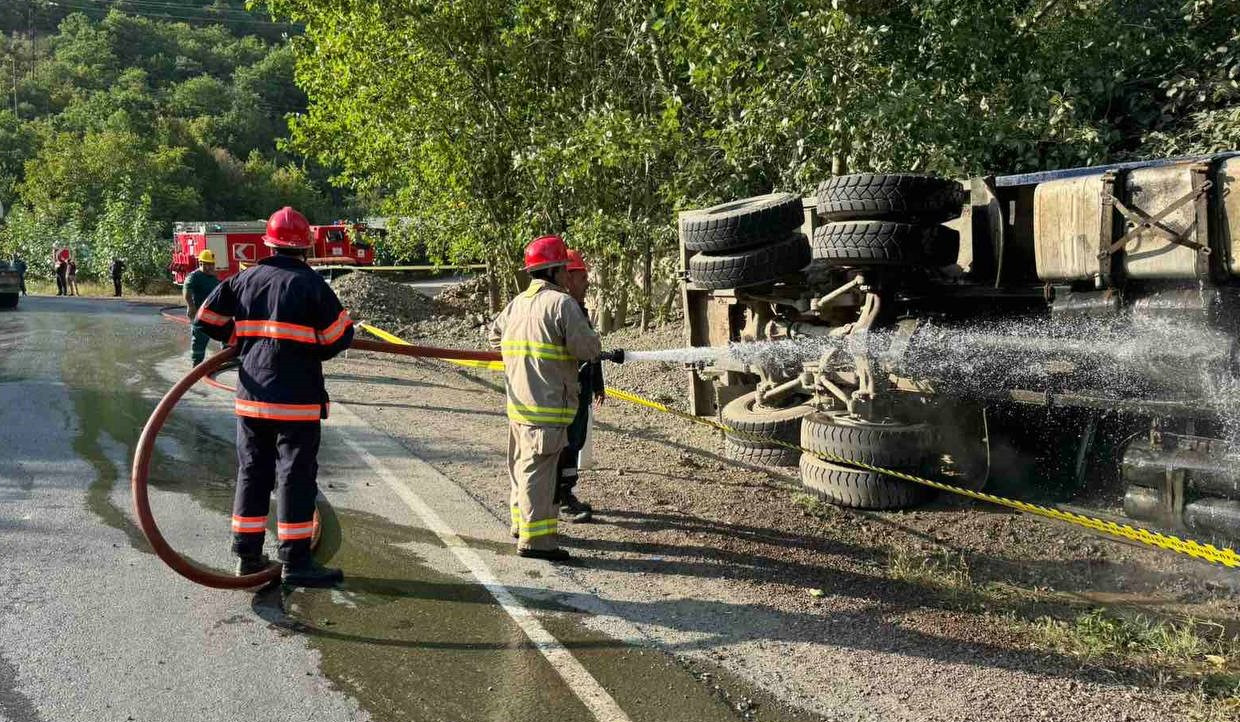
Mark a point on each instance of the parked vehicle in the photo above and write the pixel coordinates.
(239, 243)
(10, 285)
(879, 272)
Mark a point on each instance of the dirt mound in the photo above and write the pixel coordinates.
(468, 297)
(382, 302)
(405, 312)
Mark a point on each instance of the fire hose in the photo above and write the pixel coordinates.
(146, 446)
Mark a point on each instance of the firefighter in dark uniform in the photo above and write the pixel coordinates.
(287, 322)
(590, 378)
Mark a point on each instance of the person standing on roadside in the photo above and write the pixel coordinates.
(20, 266)
(592, 388)
(543, 336)
(198, 286)
(71, 278)
(287, 322)
(61, 269)
(117, 270)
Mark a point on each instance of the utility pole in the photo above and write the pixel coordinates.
(13, 63)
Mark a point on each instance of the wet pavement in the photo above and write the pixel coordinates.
(438, 620)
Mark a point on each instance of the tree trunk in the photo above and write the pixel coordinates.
(622, 295)
(665, 310)
(493, 292)
(839, 159)
(647, 283)
(605, 313)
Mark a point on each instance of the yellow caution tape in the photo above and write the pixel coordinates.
(1206, 552)
(346, 267)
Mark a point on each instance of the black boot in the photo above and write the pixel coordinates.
(309, 573)
(575, 509)
(251, 564)
(551, 555)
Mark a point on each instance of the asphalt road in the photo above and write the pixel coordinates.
(438, 620)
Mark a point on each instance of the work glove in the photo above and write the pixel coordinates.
(615, 356)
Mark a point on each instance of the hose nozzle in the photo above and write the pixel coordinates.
(615, 356)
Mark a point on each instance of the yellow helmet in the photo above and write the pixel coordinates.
(206, 255)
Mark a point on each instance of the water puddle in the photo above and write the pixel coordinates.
(408, 641)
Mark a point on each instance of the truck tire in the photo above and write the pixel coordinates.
(747, 223)
(895, 196)
(888, 445)
(746, 268)
(8, 300)
(858, 489)
(781, 424)
(759, 455)
(880, 243)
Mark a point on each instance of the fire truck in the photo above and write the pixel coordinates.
(238, 244)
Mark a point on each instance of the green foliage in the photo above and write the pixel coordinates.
(486, 122)
(125, 123)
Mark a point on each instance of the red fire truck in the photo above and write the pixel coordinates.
(238, 244)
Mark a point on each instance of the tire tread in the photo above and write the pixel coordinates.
(767, 219)
(890, 196)
(749, 267)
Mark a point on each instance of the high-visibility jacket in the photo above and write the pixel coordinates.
(543, 335)
(287, 321)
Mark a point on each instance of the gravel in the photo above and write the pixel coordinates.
(667, 383)
(409, 314)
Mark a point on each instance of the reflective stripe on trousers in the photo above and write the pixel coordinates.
(533, 453)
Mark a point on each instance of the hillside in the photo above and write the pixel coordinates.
(127, 116)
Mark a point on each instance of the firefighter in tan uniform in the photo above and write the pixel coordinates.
(543, 336)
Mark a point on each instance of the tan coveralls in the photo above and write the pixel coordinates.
(543, 336)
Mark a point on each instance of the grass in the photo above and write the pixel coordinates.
(1184, 654)
(96, 288)
(1166, 650)
(944, 570)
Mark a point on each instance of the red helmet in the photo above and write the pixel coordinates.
(576, 262)
(287, 229)
(545, 252)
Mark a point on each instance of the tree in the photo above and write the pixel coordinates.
(127, 123)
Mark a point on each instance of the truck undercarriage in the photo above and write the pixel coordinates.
(886, 317)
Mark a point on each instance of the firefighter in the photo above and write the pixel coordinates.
(198, 286)
(543, 336)
(61, 268)
(117, 271)
(287, 322)
(592, 388)
(71, 278)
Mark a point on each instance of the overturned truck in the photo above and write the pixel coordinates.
(893, 317)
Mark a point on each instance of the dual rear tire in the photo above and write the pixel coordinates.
(746, 242)
(764, 436)
(899, 447)
(887, 220)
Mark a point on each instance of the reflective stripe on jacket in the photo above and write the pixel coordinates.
(287, 321)
(543, 336)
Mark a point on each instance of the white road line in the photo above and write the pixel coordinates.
(576, 676)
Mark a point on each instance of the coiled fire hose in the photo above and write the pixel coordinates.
(146, 446)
